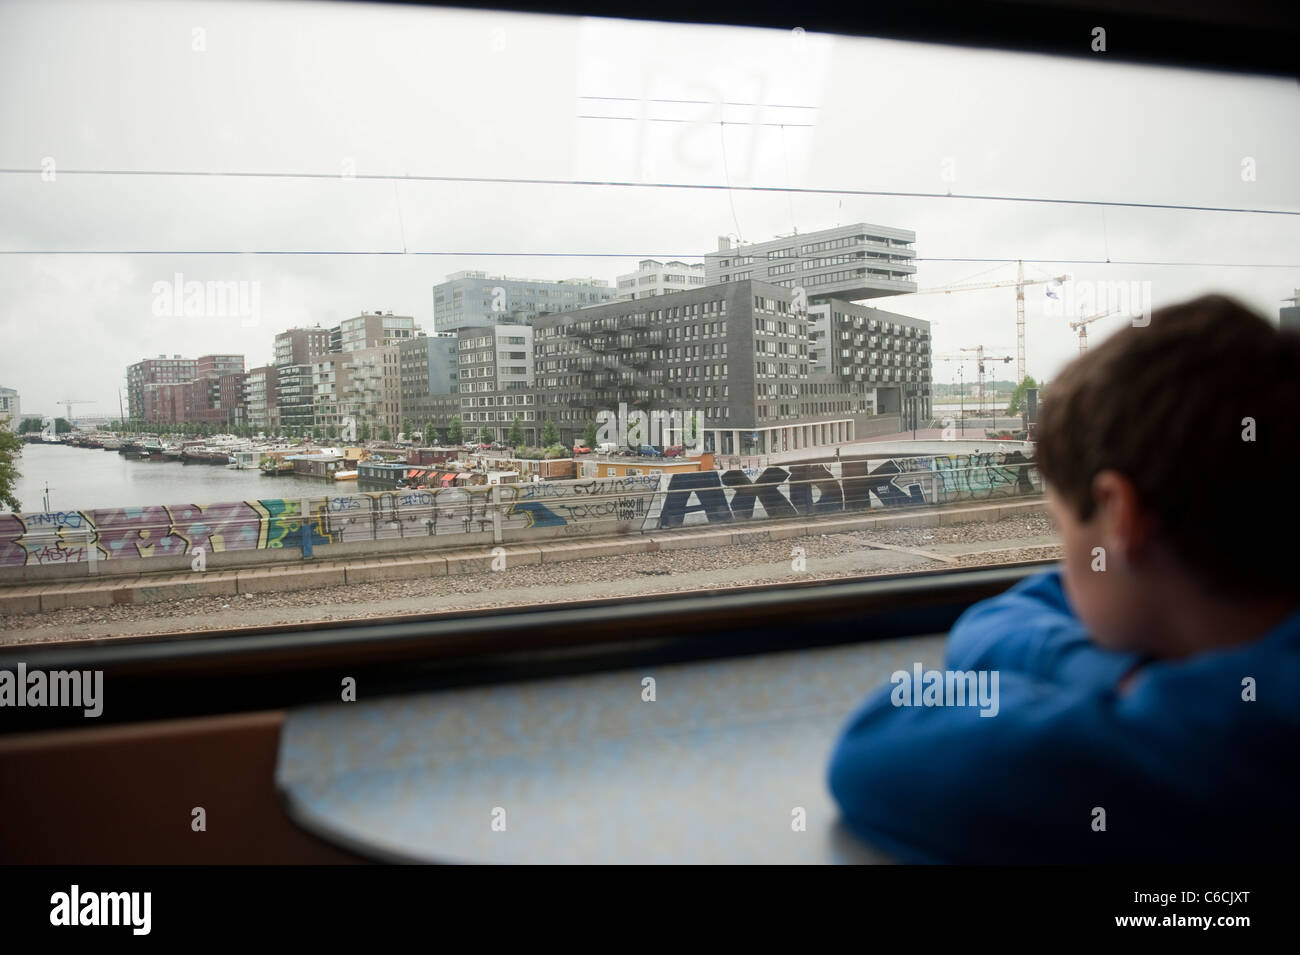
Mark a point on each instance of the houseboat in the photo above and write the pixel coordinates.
(318, 465)
(275, 463)
(381, 475)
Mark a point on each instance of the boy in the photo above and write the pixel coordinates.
(1149, 692)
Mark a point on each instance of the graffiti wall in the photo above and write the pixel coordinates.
(131, 533)
(813, 490)
(591, 507)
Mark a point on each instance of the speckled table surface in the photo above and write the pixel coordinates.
(586, 770)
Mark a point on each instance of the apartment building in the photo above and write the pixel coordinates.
(473, 298)
(295, 404)
(143, 401)
(328, 378)
(369, 389)
(216, 393)
(653, 277)
(373, 330)
(11, 407)
(496, 380)
(849, 263)
(261, 399)
(430, 379)
(298, 346)
(736, 359)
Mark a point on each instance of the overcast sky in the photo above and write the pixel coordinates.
(309, 87)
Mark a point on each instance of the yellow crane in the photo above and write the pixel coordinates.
(1019, 282)
(980, 358)
(1081, 326)
(67, 406)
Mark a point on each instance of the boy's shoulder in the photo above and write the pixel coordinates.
(1031, 629)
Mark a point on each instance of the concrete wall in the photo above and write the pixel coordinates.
(115, 541)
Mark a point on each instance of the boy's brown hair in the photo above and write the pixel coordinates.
(1164, 405)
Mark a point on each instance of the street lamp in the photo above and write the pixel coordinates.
(961, 391)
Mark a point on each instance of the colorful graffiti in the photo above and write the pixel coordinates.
(126, 533)
(631, 504)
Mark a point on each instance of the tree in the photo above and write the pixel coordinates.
(11, 446)
(29, 424)
(385, 434)
(62, 426)
(456, 431)
(485, 436)
(516, 433)
(333, 431)
(589, 434)
(1018, 396)
(315, 433)
(363, 433)
(550, 434)
(407, 427)
(430, 433)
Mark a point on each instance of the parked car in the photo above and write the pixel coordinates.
(607, 447)
(675, 451)
(648, 451)
(581, 449)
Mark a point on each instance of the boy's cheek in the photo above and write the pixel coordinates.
(1104, 604)
(1096, 600)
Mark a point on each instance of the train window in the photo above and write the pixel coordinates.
(277, 279)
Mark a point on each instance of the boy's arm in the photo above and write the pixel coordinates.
(944, 784)
(1031, 629)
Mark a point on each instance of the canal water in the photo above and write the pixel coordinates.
(84, 478)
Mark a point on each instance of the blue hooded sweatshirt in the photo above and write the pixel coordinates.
(1183, 767)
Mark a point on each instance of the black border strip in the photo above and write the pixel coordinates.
(1250, 36)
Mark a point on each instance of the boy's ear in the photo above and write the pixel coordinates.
(1122, 522)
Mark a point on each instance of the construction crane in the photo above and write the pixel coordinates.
(1020, 282)
(1081, 326)
(980, 357)
(67, 406)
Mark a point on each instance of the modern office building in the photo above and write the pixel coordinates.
(11, 409)
(298, 346)
(373, 330)
(153, 372)
(476, 299)
(735, 359)
(496, 380)
(850, 263)
(430, 379)
(653, 277)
